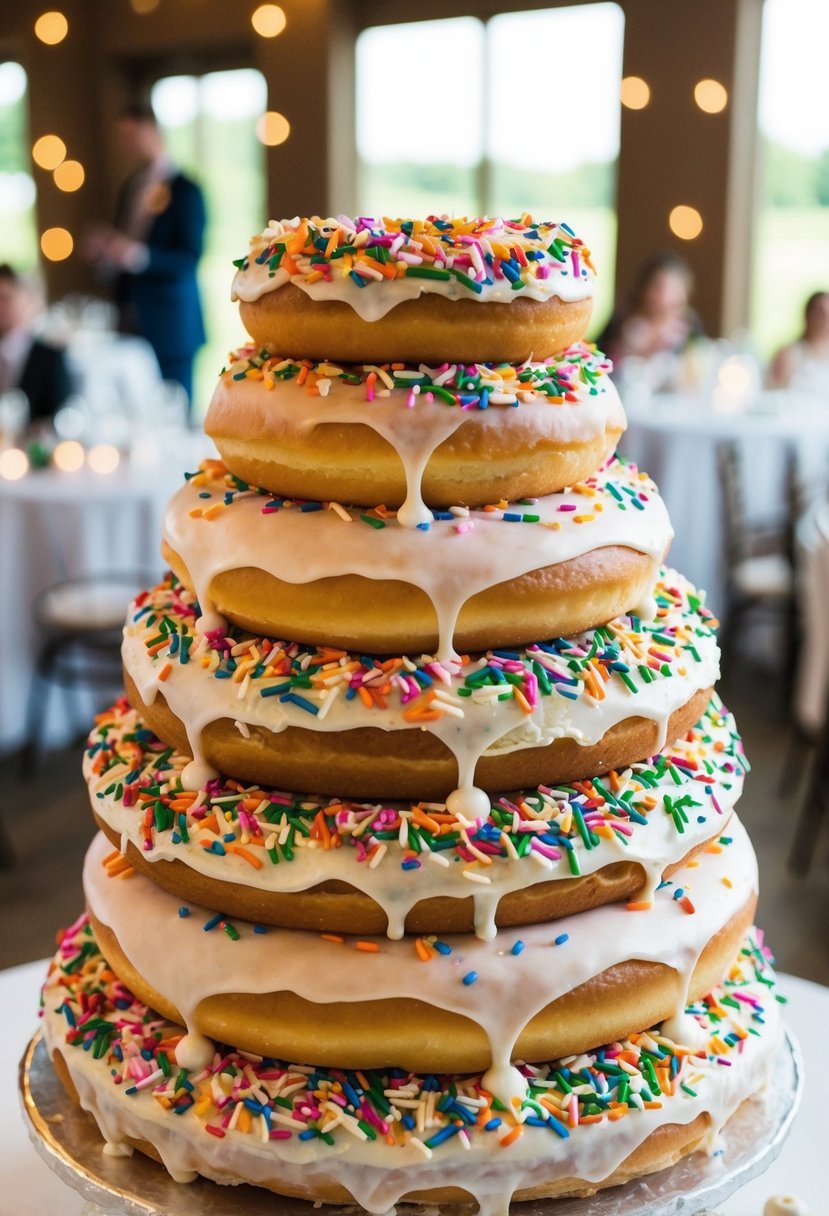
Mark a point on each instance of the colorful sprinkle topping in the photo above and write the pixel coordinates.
(626, 653)
(126, 764)
(570, 377)
(247, 1095)
(470, 254)
(617, 486)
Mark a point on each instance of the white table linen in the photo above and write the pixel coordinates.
(799, 1169)
(675, 439)
(55, 526)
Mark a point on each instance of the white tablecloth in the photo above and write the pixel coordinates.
(799, 1169)
(675, 438)
(55, 526)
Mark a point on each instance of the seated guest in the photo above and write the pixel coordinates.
(804, 364)
(26, 362)
(658, 323)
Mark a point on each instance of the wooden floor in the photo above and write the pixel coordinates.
(49, 825)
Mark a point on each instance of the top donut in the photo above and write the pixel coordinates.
(434, 290)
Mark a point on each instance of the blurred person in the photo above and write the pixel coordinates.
(804, 364)
(26, 362)
(153, 249)
(659, 322)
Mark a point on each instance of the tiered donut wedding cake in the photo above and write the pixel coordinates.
(503, 950)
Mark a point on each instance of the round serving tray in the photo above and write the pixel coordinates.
(68, 1140)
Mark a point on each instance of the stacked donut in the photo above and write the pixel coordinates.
(421, 788)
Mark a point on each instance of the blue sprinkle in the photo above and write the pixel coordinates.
(562, 938)
(361, 282)
(423, 527)
(212, 923)
(470, 977)
(259, 929)
(205, 494)
(451, 1129)
(492, 1124)
(275, 689)
(183, 911)
(311, 506)
(295, 699)
(558, 1128)
(518, 947)
(442, 947)
(512, 517)
(679, 892)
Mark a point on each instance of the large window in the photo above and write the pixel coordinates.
(520, 113)
(18, 232)
(210, 127)
(792, 250)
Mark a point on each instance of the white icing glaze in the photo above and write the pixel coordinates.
(284, 411)
(684, 1029)
(451, 562)
(509, 989)
(654, 845)
(470, 727)
(375, 300)
(377, 1175)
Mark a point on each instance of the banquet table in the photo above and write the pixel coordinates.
(58, 525)
(675, 437)
(798, 1170)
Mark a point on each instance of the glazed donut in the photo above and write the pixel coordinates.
(364, 434)
(614, 970)
(469, 580)
(431, 291)
(421, 1156)
(219, 846)
(353, 726)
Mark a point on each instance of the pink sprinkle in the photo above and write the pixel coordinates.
(412, 397)
(538, 846)
(465, 527)
(574, 258)
(567, 506)
(279, 1133)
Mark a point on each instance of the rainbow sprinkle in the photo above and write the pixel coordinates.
(471, 253)
(617, 486)
(627, 652)
(581, 371)
(260, 827)
(242, 1094)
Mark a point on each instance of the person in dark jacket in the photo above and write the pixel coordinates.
(26, 362)
(154, 248)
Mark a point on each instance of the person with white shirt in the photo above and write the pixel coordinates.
(26, 362)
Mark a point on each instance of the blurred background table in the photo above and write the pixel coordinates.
(57, 525)
(798, 1169)
(675, 438)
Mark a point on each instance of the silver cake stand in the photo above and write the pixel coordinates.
(69, 1142)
